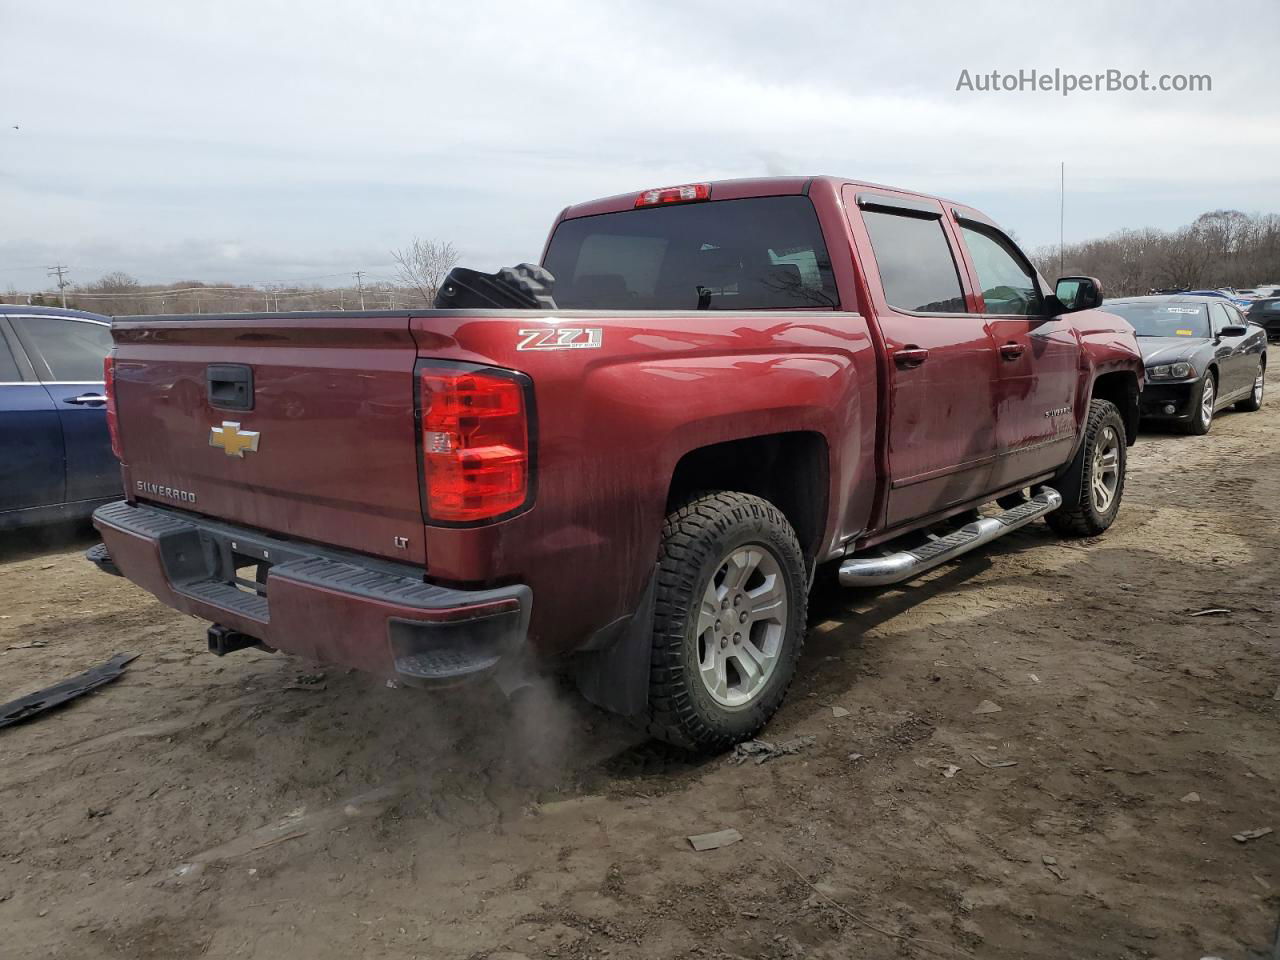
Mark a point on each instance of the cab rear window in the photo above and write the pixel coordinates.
(764, 253)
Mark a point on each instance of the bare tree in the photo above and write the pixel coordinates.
(1221, 248)
(117, 281)
(423, 265)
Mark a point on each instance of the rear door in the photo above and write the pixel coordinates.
(31, 469)
(1038, 366)
(941, 404)
(67, 353)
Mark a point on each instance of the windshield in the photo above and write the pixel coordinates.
(1164, 319)
(764, 253)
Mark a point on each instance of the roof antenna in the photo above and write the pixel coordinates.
(1062, 212)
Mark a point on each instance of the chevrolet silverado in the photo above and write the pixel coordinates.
(636, 479)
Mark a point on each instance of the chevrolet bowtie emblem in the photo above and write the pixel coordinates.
(234, 441)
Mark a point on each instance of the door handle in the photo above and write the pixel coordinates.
(1012, 351)
(910, 356)
(86, 399)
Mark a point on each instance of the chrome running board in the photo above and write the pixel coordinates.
(908, 564)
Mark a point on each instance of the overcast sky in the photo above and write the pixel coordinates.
(252, 140)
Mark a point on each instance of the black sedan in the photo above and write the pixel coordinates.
(1266, 314)
(1201, 355)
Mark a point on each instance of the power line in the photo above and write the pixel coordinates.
(78, 294)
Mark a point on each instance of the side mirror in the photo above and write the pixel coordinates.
(1078, 293)
(1234, 330)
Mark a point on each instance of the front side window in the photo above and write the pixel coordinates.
(762, 253)
(1220, 316)
(917, 270)
(1008, 284)
(67, 350)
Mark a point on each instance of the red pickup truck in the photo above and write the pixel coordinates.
(740, 381)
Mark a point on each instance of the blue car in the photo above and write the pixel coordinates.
(55, 453)
(1242, 302)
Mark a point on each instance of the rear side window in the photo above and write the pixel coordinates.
(917, 270)
(8, 366)
(764, 253)
(68, 350)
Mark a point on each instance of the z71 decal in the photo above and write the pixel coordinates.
(561, 338)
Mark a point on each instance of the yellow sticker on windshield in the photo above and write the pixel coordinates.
(1185, 333)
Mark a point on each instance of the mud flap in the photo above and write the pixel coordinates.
(612, 672)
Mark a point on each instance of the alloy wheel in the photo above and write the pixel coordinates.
(1106, 469)
(1207, 398)
(741, 625)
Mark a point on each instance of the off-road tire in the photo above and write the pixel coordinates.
(1253, 402)
(1078, 516)
(695, 539)
(533, 281)
(1199, 424)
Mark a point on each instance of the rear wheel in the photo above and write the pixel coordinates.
(1093, 484)
(728, 623)
(1206, 397)
(1254, 400)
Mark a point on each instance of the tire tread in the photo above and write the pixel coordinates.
(687, 535)
(1076, 517)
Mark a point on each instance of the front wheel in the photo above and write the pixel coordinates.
(1093, 484)
(1206, 400)
(1254, 400)
(728, 623)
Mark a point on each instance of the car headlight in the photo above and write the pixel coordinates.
(1171, 371)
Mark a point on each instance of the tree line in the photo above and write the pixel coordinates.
(420, 269)
(1221, 248)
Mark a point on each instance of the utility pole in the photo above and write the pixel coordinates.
(342, 301)
(359, 275)
(58, 271)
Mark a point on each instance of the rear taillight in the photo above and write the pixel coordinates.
(113, 422)
(475, 444)
(688, 193)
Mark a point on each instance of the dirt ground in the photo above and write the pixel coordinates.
(258, 806)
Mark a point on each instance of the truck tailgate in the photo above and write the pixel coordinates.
(326, 450)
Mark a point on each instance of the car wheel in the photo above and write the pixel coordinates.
(1206, 396)
(729, 620)
(1093, 485)
(1254, 400)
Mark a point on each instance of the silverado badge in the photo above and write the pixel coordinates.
(234, 441)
